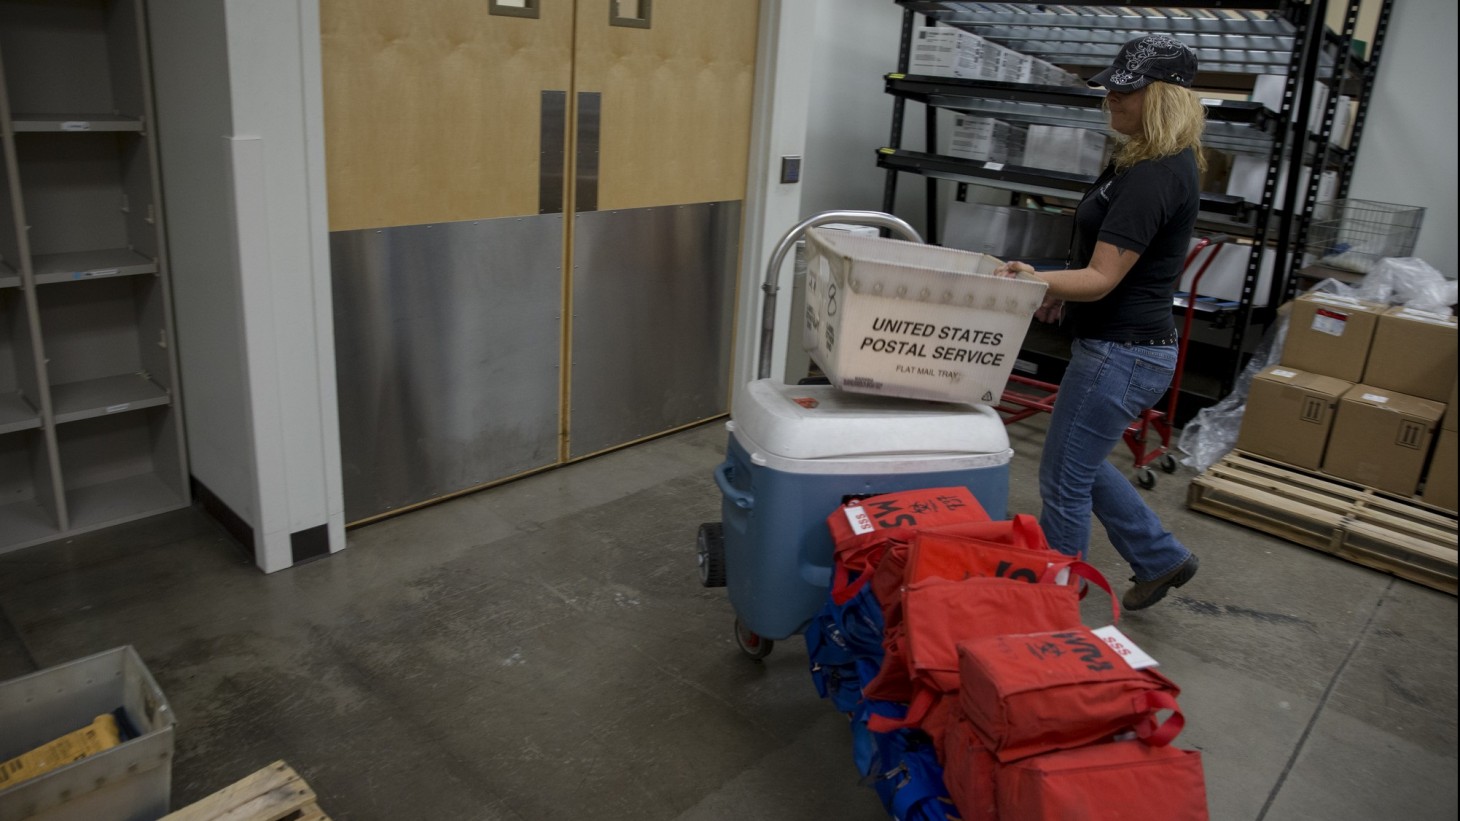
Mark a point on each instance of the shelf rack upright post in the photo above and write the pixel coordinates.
(1362, 82)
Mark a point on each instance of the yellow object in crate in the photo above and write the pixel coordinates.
(100, 734)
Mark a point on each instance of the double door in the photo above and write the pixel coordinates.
(535, 213)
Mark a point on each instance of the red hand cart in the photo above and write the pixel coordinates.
(1017, 403)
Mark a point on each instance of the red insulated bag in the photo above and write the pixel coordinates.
(862, 530)
(1118, 781)
(1033, 693)
(892, 573)
(1014, 549)
(969, 771)
(921, 664)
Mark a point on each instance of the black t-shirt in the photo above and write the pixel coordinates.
(1149, 208)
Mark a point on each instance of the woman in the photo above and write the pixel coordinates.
(1131, 235)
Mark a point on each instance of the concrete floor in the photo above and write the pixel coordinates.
(543, 651)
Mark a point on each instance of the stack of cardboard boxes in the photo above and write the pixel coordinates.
(1360, 394)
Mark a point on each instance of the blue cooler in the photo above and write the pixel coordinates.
(796, 452)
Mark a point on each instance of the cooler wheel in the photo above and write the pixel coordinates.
(711, 545)
(757, 647)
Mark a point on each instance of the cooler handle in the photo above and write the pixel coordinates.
(740, 498)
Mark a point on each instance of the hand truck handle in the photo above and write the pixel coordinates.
(770, 286)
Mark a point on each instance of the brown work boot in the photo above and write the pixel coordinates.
(1144, 594)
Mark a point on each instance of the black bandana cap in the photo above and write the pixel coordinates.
(1145, 60)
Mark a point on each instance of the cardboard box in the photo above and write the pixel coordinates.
(1413, 352)
(1330, 335)
(1289, 415)
(1440, 482)
(898, 318)
(1452, 408)
(1381, 438)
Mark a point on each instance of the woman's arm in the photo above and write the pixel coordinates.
(1108, 266)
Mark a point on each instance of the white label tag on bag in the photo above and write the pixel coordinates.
(860, 521)
(1137, 658)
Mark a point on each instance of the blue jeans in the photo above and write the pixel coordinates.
(1107, 385)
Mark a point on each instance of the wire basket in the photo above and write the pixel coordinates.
(1354, 235)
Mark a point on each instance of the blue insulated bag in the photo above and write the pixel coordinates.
(834, 669)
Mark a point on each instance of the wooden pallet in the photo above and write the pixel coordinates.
(275, 793)
(1407, 538)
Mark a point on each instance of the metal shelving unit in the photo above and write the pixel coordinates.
(1234, 45)
(90, 430)
(1356, 76)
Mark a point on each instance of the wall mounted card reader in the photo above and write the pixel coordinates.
(790, 169)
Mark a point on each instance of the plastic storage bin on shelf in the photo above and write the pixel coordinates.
(797, 452)
(898, 318)
(128, 782)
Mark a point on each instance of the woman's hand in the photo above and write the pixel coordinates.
(1052, 311)
(1012, 270)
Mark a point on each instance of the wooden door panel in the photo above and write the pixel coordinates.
(432, 108)
(676, 100)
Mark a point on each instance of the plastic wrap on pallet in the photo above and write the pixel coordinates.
(1408, 281)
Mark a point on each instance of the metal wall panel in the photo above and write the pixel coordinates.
(447, 343)
(653, 303)
(590, 130)
(554, 129)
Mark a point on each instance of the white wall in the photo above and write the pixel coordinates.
(853, 46)
(778, 129)
(1407, 152)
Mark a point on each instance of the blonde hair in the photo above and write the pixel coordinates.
(1172, 120)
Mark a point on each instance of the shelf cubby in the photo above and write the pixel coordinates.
(120, 467)
(67, 56)
(88, 201)
(105, 347)
(27, 511)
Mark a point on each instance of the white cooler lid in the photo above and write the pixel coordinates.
(821, 422)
